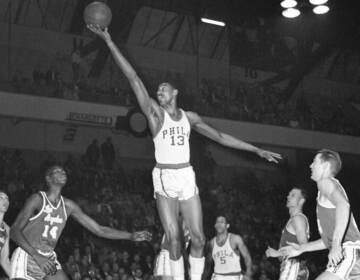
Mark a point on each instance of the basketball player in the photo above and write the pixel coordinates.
(173, 176)
(162, 270)
(336, 224)
(38, 227)
(225, 250)
(295, 231)
(4, 234)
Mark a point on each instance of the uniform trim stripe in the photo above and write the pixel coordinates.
(63, 204)
(52, 206)
(353, 261)
(162, 185)
(42, 208)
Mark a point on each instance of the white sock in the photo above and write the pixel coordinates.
(196, 267)
(177, 269)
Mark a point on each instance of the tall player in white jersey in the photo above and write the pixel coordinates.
(225, 250)
(173, 176)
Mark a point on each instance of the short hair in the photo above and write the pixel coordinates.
(333, 158)
(227, 220)
(171, 84)
(303, 192)
(50, 169)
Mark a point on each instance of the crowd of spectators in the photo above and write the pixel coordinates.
(250, 102)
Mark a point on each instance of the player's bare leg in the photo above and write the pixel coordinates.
(168, 209)
(192, 213)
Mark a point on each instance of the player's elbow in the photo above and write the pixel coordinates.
(99, 231)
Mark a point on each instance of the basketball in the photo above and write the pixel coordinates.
(97, 13)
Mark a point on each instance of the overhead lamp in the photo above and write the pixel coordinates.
(291, 13)
(320, 10)
(286, 4)
(214, 22)
(318, 2)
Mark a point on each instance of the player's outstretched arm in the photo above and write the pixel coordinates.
(146, 103)
(227, 140)
(4, 256)
(102, 231)
(294, 250)
(32, 206)
(246, 255)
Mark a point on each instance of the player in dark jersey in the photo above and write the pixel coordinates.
(296, 231)
(173, 176)
(4, 234)
(337, 227)
(38, 227)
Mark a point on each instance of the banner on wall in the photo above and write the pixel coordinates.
(23, 106)
(88, 118)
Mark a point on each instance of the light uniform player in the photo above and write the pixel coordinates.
(296, 231)
(4, 234)
(173, 176)
(39, 225)
(225, 251)
(336, 224)
(162, 269)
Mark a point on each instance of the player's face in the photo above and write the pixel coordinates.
(221, 225)
(165, 94)
(317, 168)
(58, 176)
(293, 198)
(4, 202)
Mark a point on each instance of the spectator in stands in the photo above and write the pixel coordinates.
(108, 154)
(93, 153)
(75, 63)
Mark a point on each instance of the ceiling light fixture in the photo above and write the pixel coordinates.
(291, 13)
(286, 4)
(320, 10)
(214, 22)
(318, 2)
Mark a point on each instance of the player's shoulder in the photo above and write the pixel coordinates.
(193, 117)
(236, 238)
(330, 185)
(35, 199)
(70, 204)
(299, 219)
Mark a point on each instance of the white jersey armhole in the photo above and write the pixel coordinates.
(42, 208)
(64, 206)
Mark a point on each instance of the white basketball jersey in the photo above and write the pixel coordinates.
(225, 259)
(172, 141)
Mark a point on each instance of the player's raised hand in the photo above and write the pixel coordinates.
(141, 236)
(270, 156)
(293, 250)
(102, 33)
